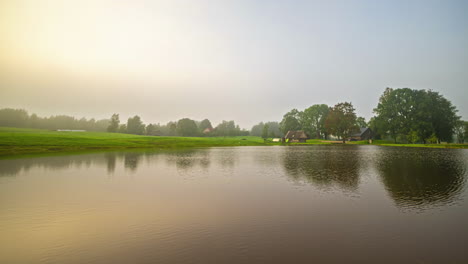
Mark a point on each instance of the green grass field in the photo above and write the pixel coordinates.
(14, 141)
(21, 141)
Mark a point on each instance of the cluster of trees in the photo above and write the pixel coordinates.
(404, 115)
(21, 118)
(408, 115)
(266, 130)
(184, 127)
(320, 121)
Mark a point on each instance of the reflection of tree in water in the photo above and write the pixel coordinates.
(188, 159)
(226, 157)
(131, 160)
(111, 159)
(324, 166)
(422, 177)
(15, 166)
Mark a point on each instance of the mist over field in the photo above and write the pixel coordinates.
(247, 61)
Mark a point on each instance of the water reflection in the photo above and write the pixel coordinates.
(187, 160)
(412, 177)
(131, 160)
(111, 159)
(421, 178)
(177, 206)
(12, 167)
(324, 166)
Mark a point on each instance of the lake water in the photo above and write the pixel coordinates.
(300, 204)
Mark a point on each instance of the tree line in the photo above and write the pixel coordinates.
(403, 115)
(21, 118)
(318, 121)
(184, 127)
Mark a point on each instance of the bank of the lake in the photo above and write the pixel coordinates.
(18, 141)
(21, 141)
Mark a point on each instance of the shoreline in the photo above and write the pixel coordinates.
(20, 142)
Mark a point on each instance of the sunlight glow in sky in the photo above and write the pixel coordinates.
(249, 61)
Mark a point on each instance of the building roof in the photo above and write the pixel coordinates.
(362, 130)
(296, 135)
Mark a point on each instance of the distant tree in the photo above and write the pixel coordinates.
(91, 124)
(361, 122)
(341, 121)
(151, 130)
(204, 124)
(388, 116)
(13, 117)
(378, 129)
(228, 128)
(187, 128)
(35, 121)
(466, 130)
(274, 129)
(172, 128)
(461, 131)
(257, 129)
(291, 121)
(101, 125)
(135, 126)
(413, 137)
(432, 139)
(265, 131)
(443, 115)
(114, 124)
(122, 128)
(313, 120)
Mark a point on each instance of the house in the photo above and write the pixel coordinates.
(364, 133)
(295, 136)
(208, 130)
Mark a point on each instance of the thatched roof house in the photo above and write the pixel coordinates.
(295, 136)
(364, 133)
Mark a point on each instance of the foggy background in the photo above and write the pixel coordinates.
(247, 61)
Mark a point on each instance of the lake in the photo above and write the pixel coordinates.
(298, 204)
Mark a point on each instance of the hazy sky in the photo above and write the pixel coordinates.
(247, 61)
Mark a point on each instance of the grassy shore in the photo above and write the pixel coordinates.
(20, 141)
(15, 141)
(383, 143)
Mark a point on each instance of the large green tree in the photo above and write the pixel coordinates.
(265, 131)
(443, 116)
(187, 128)
(313, 120)
(114, 124)
(135, 126)
(341, 121)
(204, 124)
(13, 117)
(273, 129)
(415, 114)
(461, 131)
(291, 121)
(361, 122)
